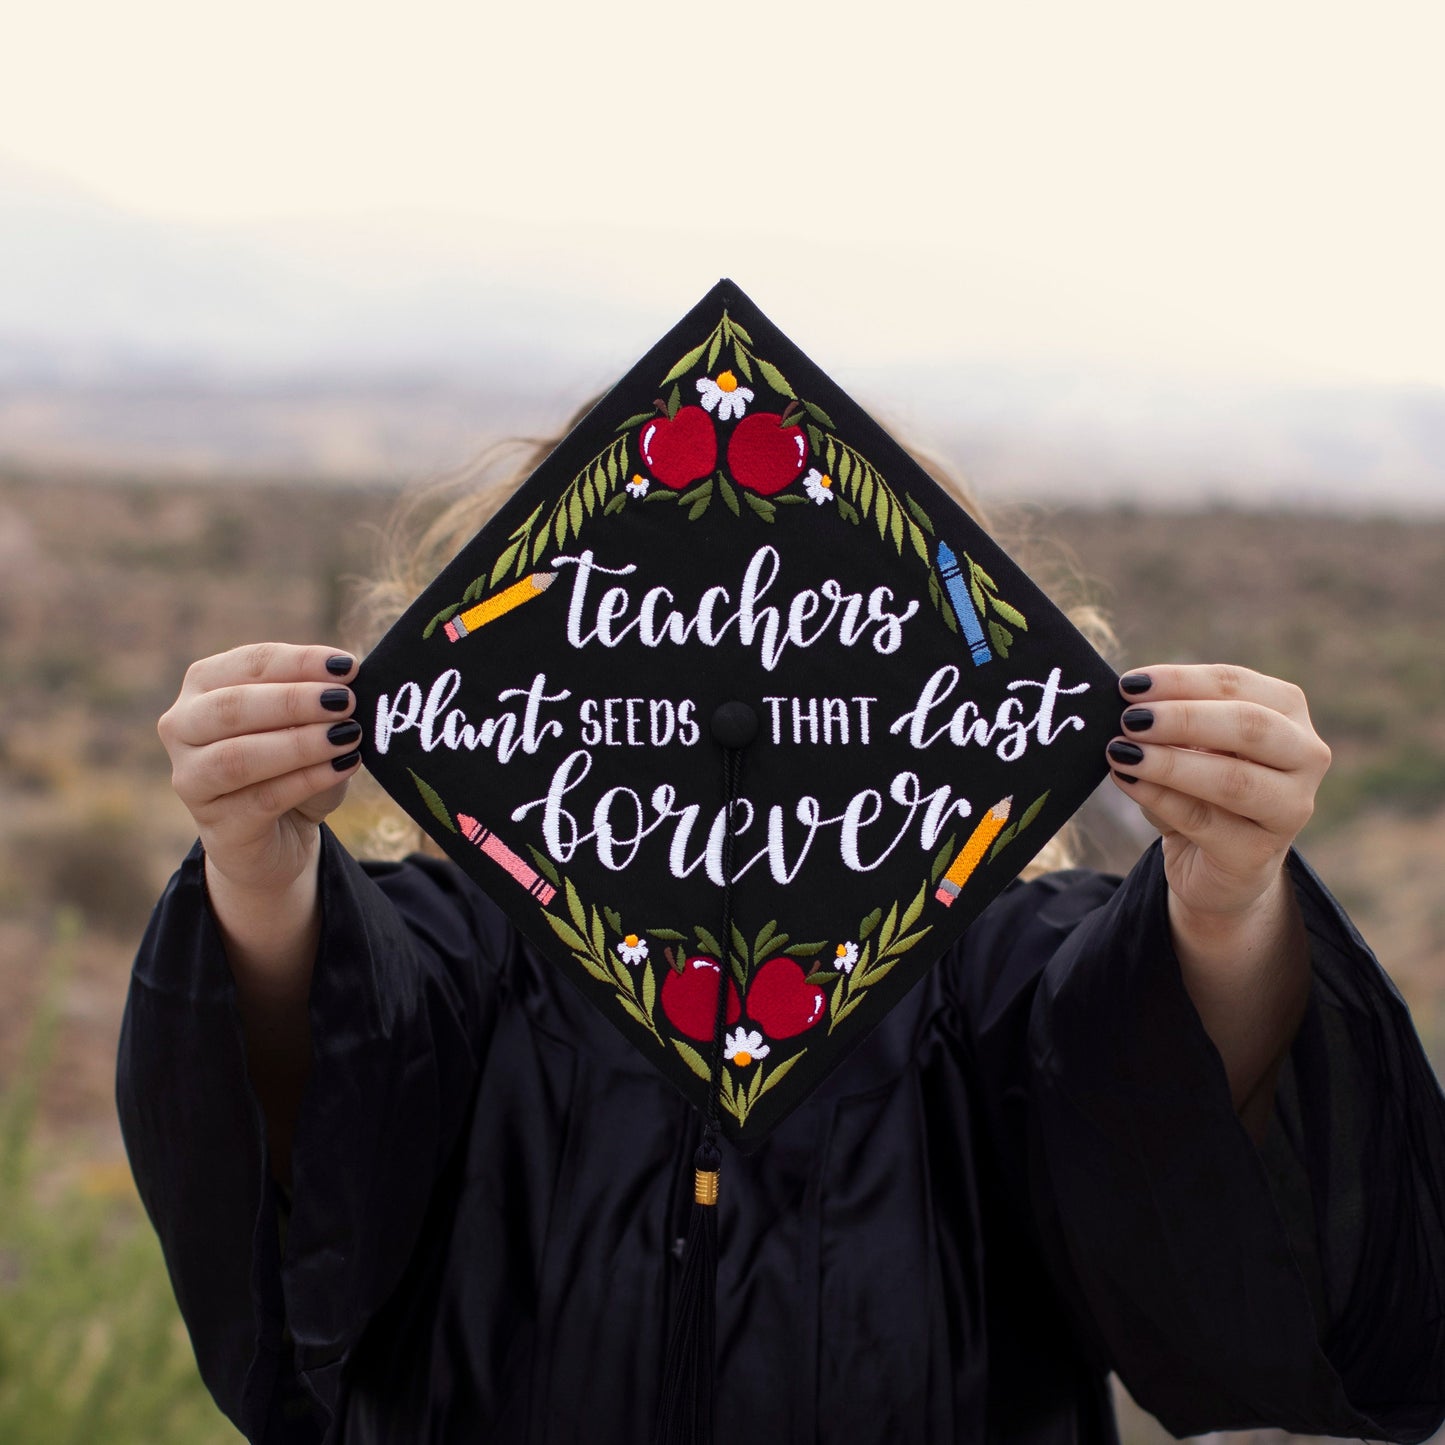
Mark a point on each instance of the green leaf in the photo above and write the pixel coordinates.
(674, 400)
(896, 524)
(775, 379)
(559, 523)
(865, 492)
(740, 946)
(729, 495)
(475, 588)
(845, 468)
(819, 415)
(933, 593)
(574, 906)
(869, 924)
(637, 420)
(738, 331)
(847, 1008)
(919, 545)
(660, 494)
(943, 858)
(900, 946)
(539, 542)
(832, 454)
(693, 1060)
(527, 525)
(919, 515)
(890, 925)
(699, 507)
(788, 499)
(708, 943)
(764, 938)
(614, 920)
(445, 615)
(946, 611)
(1010, 614)
(822, 976)
(667, 935)
(566, 933)
(757, 1083)
(781, 1071)
(806, 950)
(881, 510)
(976, 592)
(880, 971)
(1033, 811)
(761, 506)
(611, 470)
(815, 439)
(693, 494)
(649, 990)
(499, 568)
(910, 914)
(686, 364)
(434, 804)
(544, 866)
(1002, 841)
(575, 509)
(634, 1013)
(713, 350)
(599, 942)
(615, 505)
(982, 576)
(848, 511)
(593, 969)
(1003, 639)
(622, 458)
(741, 357)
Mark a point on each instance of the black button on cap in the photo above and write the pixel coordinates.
(734, 725)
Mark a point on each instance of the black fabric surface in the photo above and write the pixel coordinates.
(1028, 1174)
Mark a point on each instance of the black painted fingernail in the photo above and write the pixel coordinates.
(1136, 682)
(343, 732)
(1138, 719)
(339, 665)
(1125, 777)
(336, 699)
(346, 762)
(1126, 752)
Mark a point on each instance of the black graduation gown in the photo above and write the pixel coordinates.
(1029, 1174)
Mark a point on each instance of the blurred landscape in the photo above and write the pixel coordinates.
(110, 587)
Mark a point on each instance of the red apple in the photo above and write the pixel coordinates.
(782, 1001)
(764, 454)
(682, 450)
(689, 999)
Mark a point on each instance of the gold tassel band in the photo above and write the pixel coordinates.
(704, 1186)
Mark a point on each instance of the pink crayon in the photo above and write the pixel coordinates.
(498, 852)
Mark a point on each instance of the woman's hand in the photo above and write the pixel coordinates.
(261, 740)
(1225, 763)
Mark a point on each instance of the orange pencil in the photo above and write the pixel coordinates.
(488, 611)
(971, 854)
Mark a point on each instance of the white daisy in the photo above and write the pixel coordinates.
(744, 1046)
(632, 949)
(847, 956)
(638, 485)
(724, 394)
(818, 486)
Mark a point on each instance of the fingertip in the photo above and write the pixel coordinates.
(1135, 684)
(340, 664)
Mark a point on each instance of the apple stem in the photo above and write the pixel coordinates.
(788, 410)
(661, 406)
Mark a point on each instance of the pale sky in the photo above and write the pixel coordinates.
(1249, 186)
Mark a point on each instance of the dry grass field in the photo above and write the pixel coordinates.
(108, 591)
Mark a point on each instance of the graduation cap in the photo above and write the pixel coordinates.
(741, 719)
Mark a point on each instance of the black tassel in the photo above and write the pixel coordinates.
(686, 1405)
(685, 1409)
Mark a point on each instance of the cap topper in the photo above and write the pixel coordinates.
(728, 552)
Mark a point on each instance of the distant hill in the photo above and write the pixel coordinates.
(128, 345)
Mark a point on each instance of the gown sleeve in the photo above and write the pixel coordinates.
(1299, 1285)
(402, 998)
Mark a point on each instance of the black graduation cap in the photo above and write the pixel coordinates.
(729, 579)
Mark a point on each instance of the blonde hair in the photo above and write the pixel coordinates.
(432, 523)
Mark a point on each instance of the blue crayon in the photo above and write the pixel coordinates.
(963, 605)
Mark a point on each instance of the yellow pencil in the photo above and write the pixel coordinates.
(971, 854)
(488, 611)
